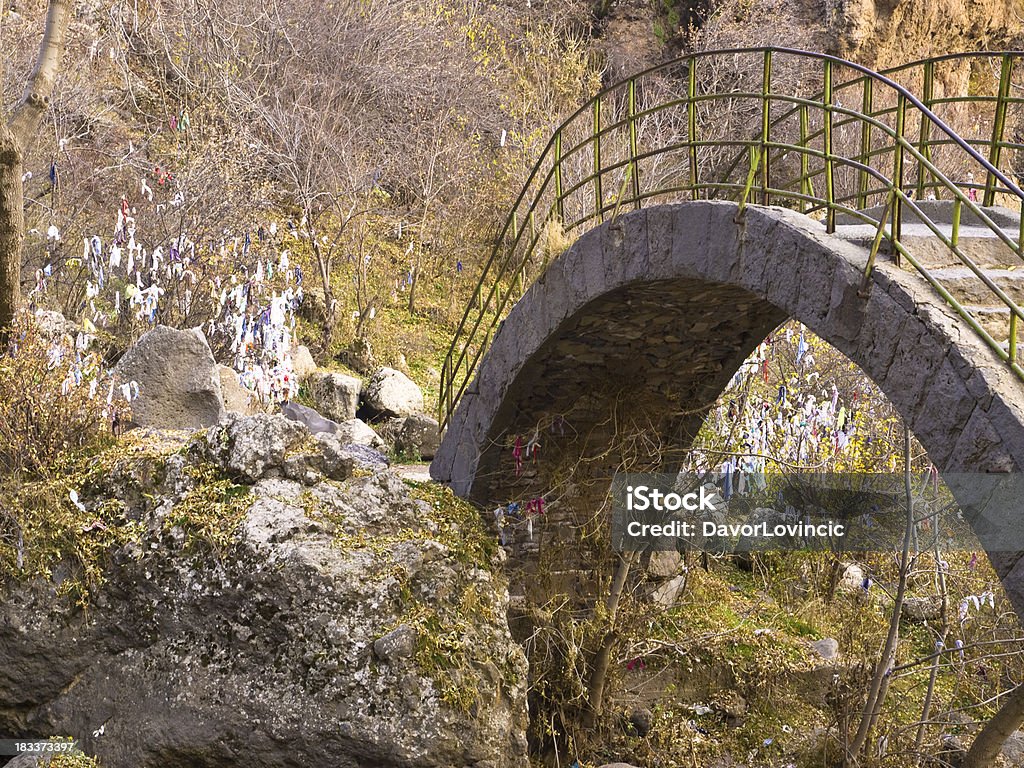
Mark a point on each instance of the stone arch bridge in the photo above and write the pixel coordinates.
(710, 199)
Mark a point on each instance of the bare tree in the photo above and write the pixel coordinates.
(16, 132)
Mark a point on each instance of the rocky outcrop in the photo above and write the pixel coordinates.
(335, 395)
(251, 446)
(178, 381)
(285, 639)
(392, 393)
(881, 34)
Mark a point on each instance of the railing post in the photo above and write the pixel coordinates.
(830, 195)
(805, 172)
(691, 124)
(442, 401)
(521, 275)
(766, 91)
(1020, 232)
(598, 195)
(897, 173)
(923, 143)
(559, 205)
(954, 237)
(864, 178)
(998, 126)
(755, 159)
(1012, 349)
(875, 245)
(633, 147)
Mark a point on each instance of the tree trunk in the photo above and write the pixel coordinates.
(15, 137)
(12, 226)
(991, 738)
(25, 120)
(880, 681)
(603, 658)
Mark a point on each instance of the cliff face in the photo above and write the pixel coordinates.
(877, 33)
(344, 618)
(884, 33)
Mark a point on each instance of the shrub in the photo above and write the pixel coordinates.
(56, 400)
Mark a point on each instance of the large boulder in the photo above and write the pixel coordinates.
(335, 395)
(179, 384)
(667, 593)
(264, 632)
(340, 461)
(1012, 750)
(922, 609)
(392, 393)
(237, 399)
(303, 363)
(251, 446)
(851, 578)
(827, 648)
(419, 436)
(356, 432)
(53, 325)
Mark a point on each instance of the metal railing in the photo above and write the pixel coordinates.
(682, 131)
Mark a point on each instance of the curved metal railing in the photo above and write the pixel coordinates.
(673, 133)
(991, 90)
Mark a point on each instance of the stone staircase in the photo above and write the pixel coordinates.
(999, 263)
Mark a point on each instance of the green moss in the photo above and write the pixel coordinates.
(459, 525)
(211, 513)
(45, 534)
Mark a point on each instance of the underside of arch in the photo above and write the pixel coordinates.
(652, 314)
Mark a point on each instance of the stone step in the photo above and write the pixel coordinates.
(982, 246)
(976, 239)
(963, 283)
(941, 212)
(996, 322)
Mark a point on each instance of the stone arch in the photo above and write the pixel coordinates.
(667, 302)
